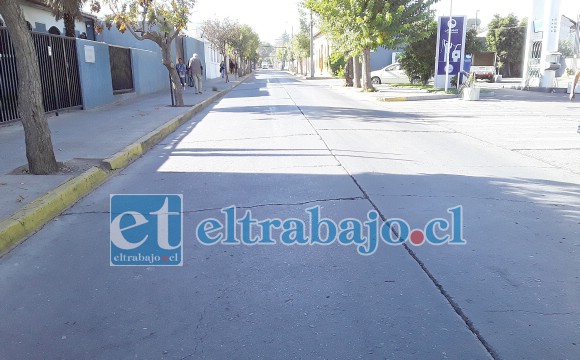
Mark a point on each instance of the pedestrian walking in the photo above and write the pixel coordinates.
(573, 90)
(181, 71)
(222, 69)
(189, 76)
(574, 83)
(196, 72)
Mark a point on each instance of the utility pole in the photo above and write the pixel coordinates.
(476, 23)
(311, 46)
(448, 48)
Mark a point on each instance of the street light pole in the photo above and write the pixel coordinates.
(311, 46)
(448, 48)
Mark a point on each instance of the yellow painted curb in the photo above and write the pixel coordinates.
(33, 216)
(393, 99)
(132, 152)
(124, 157)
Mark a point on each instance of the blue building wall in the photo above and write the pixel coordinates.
(114, 37)
(95, 78)
(381, 57)
(126, 39)
(149, 73)
(193, 46)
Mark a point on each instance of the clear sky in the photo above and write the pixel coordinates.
(487, 8)
(270, 18)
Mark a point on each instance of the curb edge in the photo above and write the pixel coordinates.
(15, 228)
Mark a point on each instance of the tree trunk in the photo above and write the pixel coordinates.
(348, 72)
(39, 150)
(367, 84)
(227, 67)
(69, 25)
(177, 88)
(356, 71)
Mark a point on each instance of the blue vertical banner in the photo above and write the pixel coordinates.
(454, 49)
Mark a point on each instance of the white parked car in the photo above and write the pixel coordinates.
(391, 74)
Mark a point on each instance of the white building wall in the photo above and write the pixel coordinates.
(322, 52)
(33, 15)
(212, 61)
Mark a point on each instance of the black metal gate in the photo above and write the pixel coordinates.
(121, 69)
(8, 79)
(59, 74)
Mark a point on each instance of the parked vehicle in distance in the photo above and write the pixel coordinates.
(264, 65)
(483, 65)
(391, 74)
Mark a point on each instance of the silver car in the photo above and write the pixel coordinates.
(391, 74)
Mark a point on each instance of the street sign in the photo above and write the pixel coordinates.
(454, 49)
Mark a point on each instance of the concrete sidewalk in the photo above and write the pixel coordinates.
(90, 143)
(384, 92)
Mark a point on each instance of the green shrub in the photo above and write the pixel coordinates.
(337, 63)
(418, 58)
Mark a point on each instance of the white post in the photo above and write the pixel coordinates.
(550, 40)
(536, 12)
(448, 48)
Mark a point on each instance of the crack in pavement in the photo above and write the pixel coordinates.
(556, 149)
(465, 197)
(455, 306)
(395, 131)
(355, 198)
(303, 167)
(530, 312)
(251, 138)
(553, 166)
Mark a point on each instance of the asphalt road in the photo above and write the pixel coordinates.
(277, 146)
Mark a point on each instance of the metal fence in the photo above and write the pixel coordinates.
(121, 69)
(8, 79)
(59, 74)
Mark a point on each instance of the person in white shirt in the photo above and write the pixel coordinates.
(196, 71)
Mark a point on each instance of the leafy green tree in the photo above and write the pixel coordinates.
(301, 49)
(337, 64)
(160, 21)
(300, 44)
(266, 50)
(69, 11)
(507, 37)
(223, 35)
(359, 26)
(418, 57)
(39, 149)
(283, 48)
(566, 48)
(246, 42)
(252, 44)
(473, 44)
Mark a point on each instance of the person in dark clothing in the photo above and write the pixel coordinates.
(181, 71)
